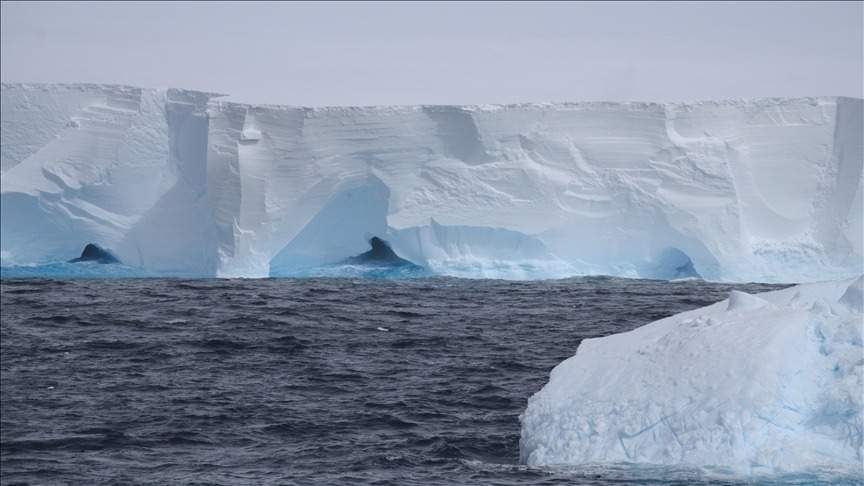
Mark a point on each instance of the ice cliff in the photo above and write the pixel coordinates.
(177, 180)
(755, 384)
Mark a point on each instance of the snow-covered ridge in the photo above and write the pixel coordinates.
(179, 180)
(755, 384)
(760, 101)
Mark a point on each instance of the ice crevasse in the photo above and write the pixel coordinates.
(179, 180)
(755, 384)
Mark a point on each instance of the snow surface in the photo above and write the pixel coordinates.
(177, 180)
(755, 384)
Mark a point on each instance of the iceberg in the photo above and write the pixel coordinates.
(755, 384)
(181, 181)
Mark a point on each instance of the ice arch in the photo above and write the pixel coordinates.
(341, 229)
(671, 263)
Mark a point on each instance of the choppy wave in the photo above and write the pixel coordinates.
(75, 270)
(306, 381)
(359, 271)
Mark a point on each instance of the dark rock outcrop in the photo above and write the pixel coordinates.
(380, 255)
(95, 253)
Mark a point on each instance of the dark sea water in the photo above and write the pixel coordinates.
(306, 381)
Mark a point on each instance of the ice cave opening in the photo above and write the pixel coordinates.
(672, 263)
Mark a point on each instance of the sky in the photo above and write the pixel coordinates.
(355, 53)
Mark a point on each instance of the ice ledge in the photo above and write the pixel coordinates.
(567, 105)
(97, 87)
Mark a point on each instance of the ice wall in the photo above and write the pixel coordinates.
(119, 166)
(766, 189)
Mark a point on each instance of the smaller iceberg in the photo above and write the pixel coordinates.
(753, 385)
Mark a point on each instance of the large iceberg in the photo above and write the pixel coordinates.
(754, 384)
(181, 181)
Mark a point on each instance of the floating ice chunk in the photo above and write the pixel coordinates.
(756, 385)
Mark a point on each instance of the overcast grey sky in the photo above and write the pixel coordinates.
(412, 53)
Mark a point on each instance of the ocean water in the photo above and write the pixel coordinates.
(304, 381)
